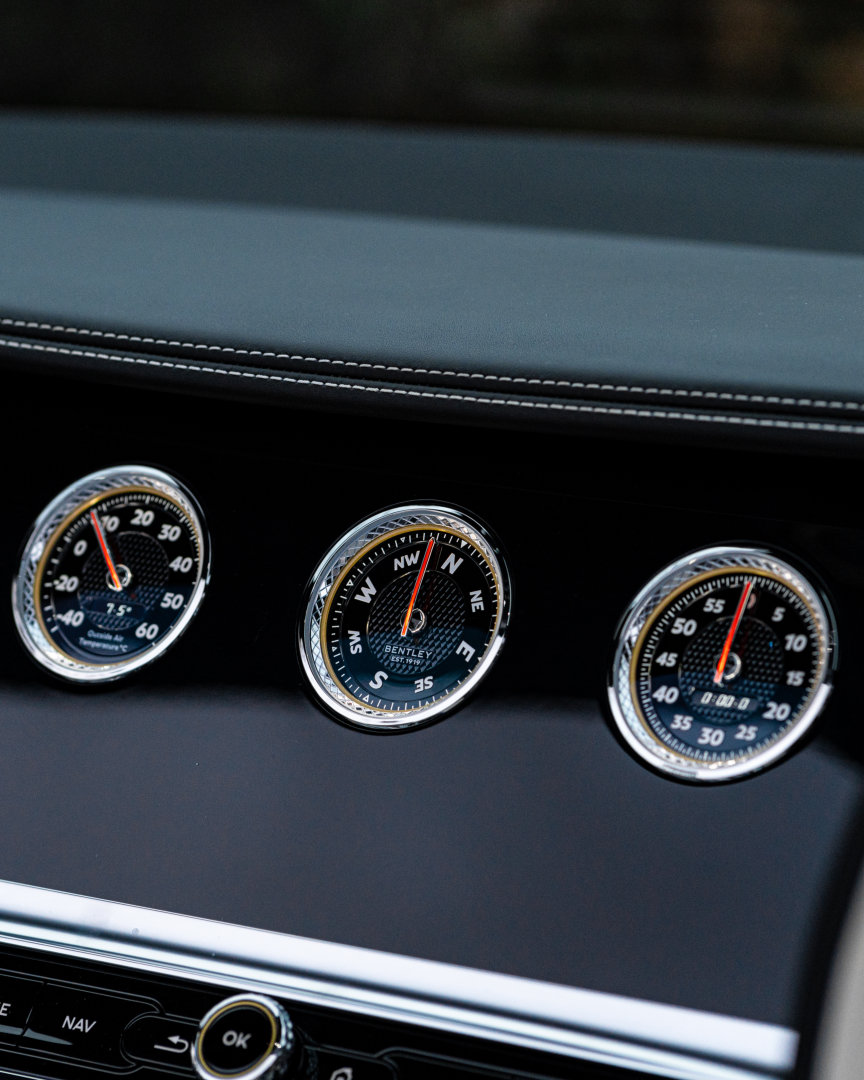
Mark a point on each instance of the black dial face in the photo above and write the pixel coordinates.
(118, 576)
(410, 620)
(711, 702)
(725, 668)
(112, 573)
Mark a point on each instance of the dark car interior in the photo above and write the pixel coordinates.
(348, 304)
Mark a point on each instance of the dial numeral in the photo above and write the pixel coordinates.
(777, 711)
(70, 618)
(451, 563)
(401, 561)
(464, 649)
(796, 643)
(366, 593)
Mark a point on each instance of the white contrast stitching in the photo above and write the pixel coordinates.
(610, 388)
(607, 410)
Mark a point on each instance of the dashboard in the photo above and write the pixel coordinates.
(505, 888)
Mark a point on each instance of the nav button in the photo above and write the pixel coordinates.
(81, 1025)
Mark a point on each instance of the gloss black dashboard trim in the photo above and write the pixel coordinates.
(658, 1039)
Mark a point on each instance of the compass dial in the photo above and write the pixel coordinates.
(404, 616)
(723, 663)
(111, 574)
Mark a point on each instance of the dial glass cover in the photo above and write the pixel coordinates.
(404, 616)
(723, 662)
(111, 574)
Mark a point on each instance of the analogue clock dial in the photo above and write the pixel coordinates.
(723, 663)
(404, 616)
(113, 571)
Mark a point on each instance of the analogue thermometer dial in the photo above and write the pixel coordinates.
(405, 614)
(111, 574)
(723, 662)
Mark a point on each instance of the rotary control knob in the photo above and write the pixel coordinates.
(246, 1037)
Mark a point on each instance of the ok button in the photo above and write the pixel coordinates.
(240, 1039)
(247, 1036)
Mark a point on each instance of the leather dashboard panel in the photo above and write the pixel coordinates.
(503, 323)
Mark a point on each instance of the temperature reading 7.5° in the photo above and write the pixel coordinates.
(114, 570)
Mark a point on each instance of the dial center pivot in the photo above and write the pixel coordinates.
(124, 578)
(732, 669)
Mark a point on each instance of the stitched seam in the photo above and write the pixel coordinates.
(607, 410)
(611, 388)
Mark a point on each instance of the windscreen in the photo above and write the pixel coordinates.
(759, 70)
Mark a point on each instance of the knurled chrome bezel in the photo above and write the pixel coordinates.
(24, 601)
(274, 1061)
(648, 604)
(327, 575)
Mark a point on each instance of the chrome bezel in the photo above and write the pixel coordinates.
(648, 604)
(97, 485)
(328, 573)
(272, 1063)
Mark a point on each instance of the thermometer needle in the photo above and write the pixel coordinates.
(417, 584)
(109, 562)
(733, 630)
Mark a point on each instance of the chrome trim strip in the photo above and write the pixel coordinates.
(662, 1040)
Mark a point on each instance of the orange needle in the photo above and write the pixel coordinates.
(733, 629)
(417, 584)
(109, 562)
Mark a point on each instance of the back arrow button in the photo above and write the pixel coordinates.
(160, 1041)
(179, 1045)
